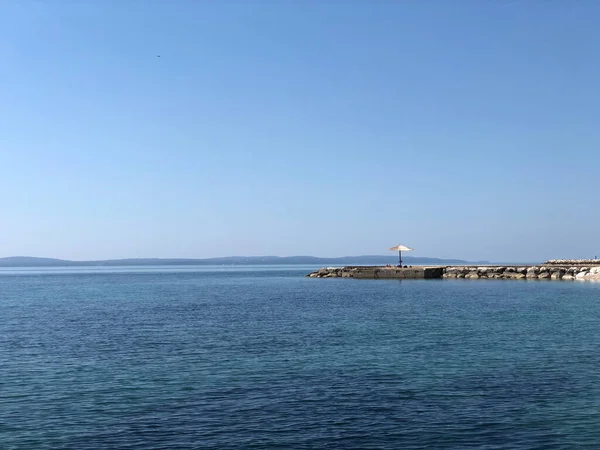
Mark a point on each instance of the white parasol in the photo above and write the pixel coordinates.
(400, 248)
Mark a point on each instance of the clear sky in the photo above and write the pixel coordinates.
(184, 128)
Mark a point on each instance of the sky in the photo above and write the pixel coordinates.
(184, 128)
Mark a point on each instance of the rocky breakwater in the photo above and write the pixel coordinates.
(541, 272)
(572, 262)
(333, 272)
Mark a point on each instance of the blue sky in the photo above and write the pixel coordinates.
(464, 129)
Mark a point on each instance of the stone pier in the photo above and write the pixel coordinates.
(379, 272)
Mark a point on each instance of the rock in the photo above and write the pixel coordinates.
(556, 275)
(472, 275)
(568, 277)
(544, 275)
(581, 275)
(519, 276)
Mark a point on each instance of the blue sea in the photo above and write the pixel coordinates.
(263, 358)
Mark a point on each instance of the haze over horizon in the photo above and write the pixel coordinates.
(202, 129)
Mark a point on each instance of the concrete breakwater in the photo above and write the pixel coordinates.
(378, 272)
(545, 271)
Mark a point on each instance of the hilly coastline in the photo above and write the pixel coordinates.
(30, 261)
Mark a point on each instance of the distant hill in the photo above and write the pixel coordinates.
(29, 261)
(26, 261)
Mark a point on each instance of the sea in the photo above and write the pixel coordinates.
(263, 358)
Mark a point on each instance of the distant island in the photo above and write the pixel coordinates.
(30, 261)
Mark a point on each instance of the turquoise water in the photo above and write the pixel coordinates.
(140, 358)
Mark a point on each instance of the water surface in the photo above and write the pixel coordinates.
(260, 357)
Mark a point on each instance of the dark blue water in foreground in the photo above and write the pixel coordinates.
(264, 358)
